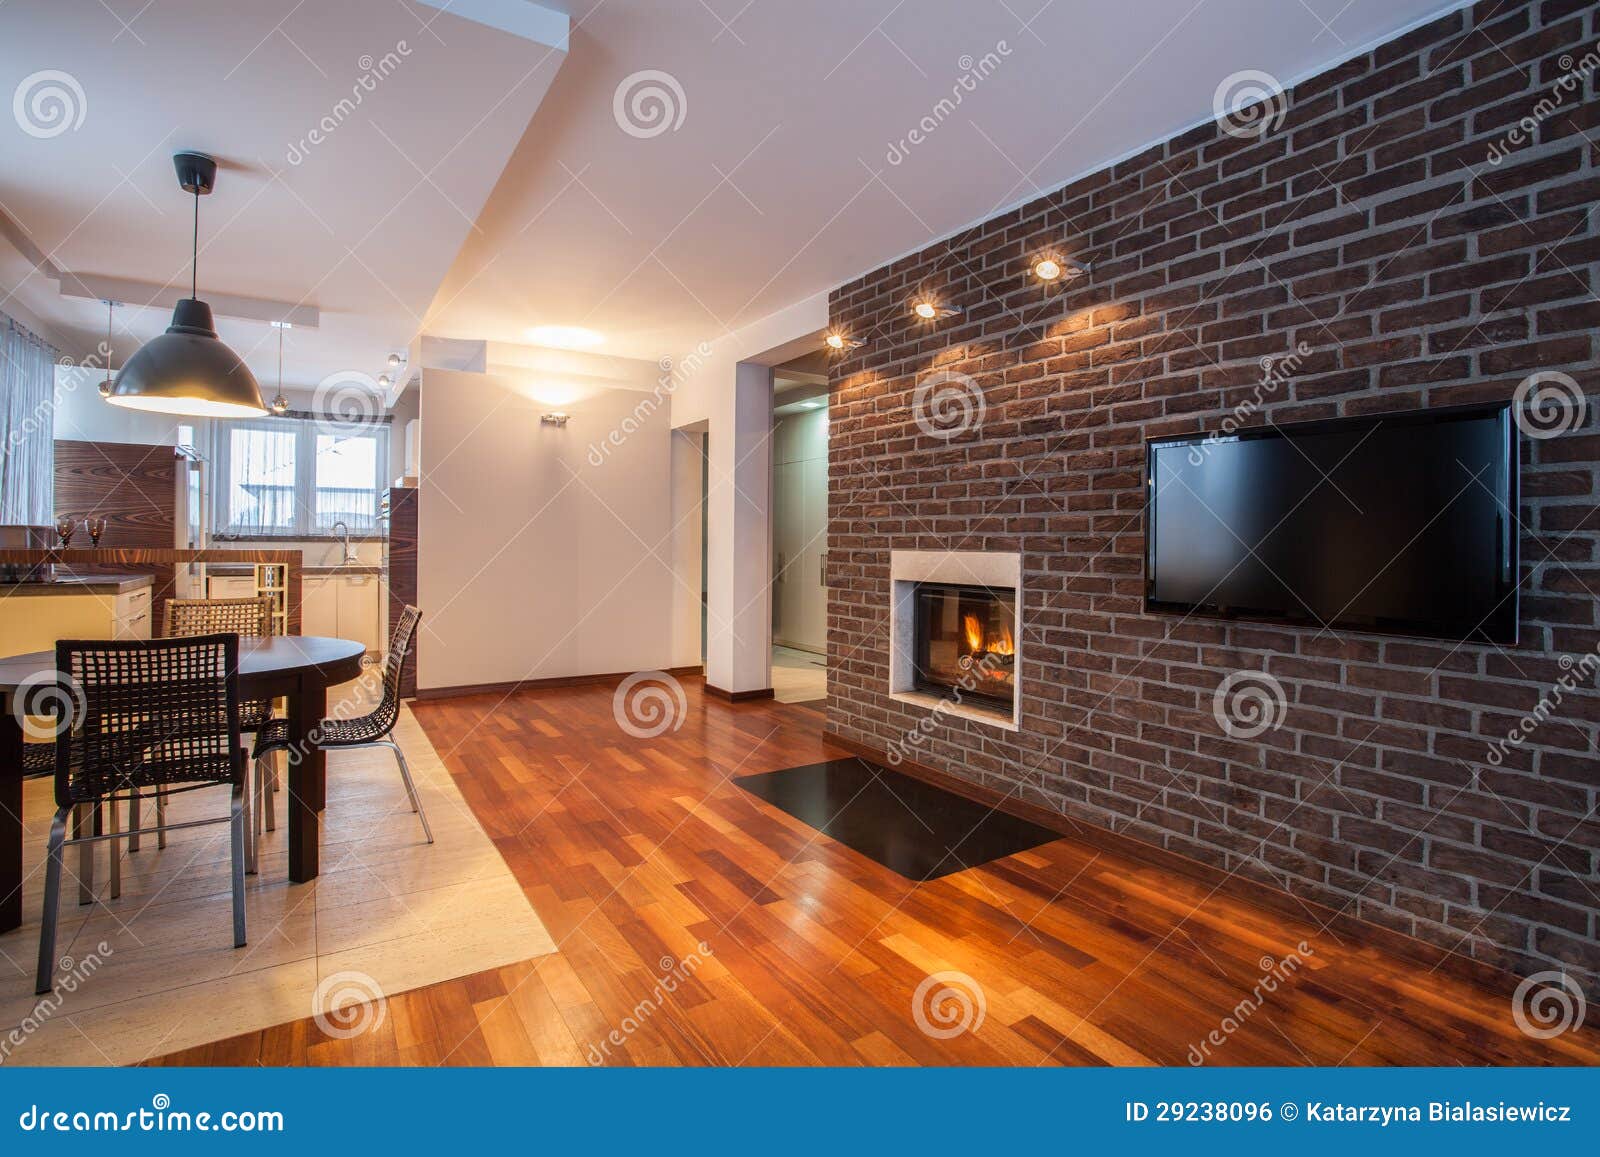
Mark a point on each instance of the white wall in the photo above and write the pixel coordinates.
(82, 415)
(730, 390)
(688, 471)
(799, 529)
(539, 556)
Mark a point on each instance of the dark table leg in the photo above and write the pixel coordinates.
(10, 821)
(306, 776)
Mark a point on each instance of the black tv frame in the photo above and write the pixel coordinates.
(1500, 629)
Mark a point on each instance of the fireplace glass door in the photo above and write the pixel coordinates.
(964, 642)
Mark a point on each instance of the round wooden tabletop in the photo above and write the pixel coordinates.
(337, 660)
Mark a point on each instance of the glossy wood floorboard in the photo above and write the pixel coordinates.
(697, 925)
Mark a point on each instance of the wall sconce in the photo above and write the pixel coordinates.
(554, 419)
(928, 311)
(1049, 269)
(837, 341)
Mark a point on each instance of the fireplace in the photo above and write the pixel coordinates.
(956, 643)
(963, 643)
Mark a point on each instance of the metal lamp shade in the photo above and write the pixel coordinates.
(188, 370)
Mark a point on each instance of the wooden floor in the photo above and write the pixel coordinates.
(697, 925)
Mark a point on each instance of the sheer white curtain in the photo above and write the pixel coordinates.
(297, 477)
(256, 481)
(27, 426)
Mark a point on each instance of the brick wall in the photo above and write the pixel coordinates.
(1372, 226)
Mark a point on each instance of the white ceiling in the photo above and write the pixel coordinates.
(775, 184)
(363, 225)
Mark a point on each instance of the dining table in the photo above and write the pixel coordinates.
(297, 668)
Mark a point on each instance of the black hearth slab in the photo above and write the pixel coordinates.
(910, 827)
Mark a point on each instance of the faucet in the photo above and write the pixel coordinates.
(350, 558)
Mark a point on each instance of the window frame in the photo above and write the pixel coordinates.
(306, 429)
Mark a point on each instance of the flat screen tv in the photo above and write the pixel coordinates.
(1399, 524)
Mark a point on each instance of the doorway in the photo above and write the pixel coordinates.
(800, 530)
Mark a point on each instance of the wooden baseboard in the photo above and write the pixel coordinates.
(738, 696)
(541, 684)
(1251, 891)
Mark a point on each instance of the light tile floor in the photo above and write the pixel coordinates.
(156, 970)
(798, 676)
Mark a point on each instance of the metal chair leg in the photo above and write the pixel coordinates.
(411, 788)
(252, 841)
(52, 903)
(236, 823)
(133, 820)
(82, 825)
(272, 790)
(161, 818)
(114, 850)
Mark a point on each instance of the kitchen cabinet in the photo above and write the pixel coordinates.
(231, 586)
(361, 610)
(343, 606)
(34, 615)
(347, 606)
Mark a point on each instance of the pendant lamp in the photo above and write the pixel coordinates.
(188, 370)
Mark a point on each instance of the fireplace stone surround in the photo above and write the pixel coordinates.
(998, 571)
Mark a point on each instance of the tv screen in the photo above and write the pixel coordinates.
(1399, 523)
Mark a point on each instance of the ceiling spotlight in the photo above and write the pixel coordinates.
(837, 341)
(557, 418)
(928, 311)
(383, 380)
(1049, 269)
(394, 361)
(813, 404)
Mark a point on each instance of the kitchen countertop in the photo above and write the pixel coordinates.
(238, 571)
(79, 584)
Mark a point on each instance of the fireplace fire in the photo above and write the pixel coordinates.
(964, 642)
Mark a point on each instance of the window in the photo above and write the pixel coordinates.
(296, 478)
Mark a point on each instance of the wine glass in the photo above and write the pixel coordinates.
(65, 526)
(96, 527)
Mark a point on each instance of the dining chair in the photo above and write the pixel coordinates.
(250, 617)
(144, 714)
(370, 730)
